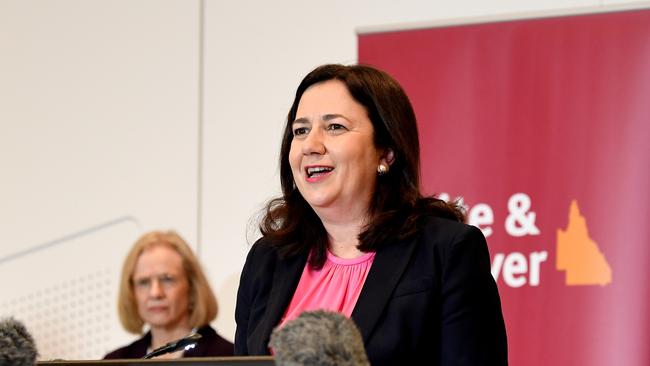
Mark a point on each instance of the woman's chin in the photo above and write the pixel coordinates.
(321, 202)
(159, 322)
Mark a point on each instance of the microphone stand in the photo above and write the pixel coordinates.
(173, 346)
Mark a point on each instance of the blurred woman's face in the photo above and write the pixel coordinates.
(161, 288)
(333, 157)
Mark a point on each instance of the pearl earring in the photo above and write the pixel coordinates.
(382, 169)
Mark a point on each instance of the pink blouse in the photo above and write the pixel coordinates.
(335, 287)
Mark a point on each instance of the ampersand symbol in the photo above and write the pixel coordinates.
(520, 222)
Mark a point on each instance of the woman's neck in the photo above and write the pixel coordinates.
(343, 236)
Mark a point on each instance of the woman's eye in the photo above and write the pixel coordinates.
(167, 280)
(142, 283)
(335, 126)
(299, 131)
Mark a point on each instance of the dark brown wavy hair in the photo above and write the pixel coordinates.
(397, 206)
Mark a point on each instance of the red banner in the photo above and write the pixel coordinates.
(543, 127)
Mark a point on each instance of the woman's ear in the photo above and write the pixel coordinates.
(387, 157)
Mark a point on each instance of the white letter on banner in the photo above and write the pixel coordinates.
(520, 222)
(481, 214)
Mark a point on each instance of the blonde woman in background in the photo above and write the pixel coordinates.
(164, 292)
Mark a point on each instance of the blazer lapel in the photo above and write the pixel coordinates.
(387, 268)
(285, 280)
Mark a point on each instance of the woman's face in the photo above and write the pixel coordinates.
(161, 288)
(333, 157)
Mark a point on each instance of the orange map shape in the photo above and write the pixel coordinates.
(579, 255)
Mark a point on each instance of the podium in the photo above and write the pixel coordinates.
(202, 361)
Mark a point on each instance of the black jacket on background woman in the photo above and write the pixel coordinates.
(210, 344)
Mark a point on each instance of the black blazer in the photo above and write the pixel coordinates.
(429, 298)
(210, 344)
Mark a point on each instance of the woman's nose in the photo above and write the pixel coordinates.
(156, 289)
(313, 142)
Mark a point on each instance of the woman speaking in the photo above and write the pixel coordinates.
(353, 233)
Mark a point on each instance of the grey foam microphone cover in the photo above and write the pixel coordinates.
(319, 338)
(17, 347)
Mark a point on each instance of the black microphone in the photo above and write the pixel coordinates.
(319, 338)
(17, 347)
(173, 346)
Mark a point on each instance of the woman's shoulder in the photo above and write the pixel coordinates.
(260, 261)
(213, 344)
(266, 253)
(262, 250)
(445, 239)
(447, 230)
(136, 349)
(207, 331)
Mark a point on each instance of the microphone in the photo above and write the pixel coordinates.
(173, 346)
(17, 347)
(319, 338)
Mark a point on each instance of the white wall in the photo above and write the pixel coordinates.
(98, 142)
(125, 113)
